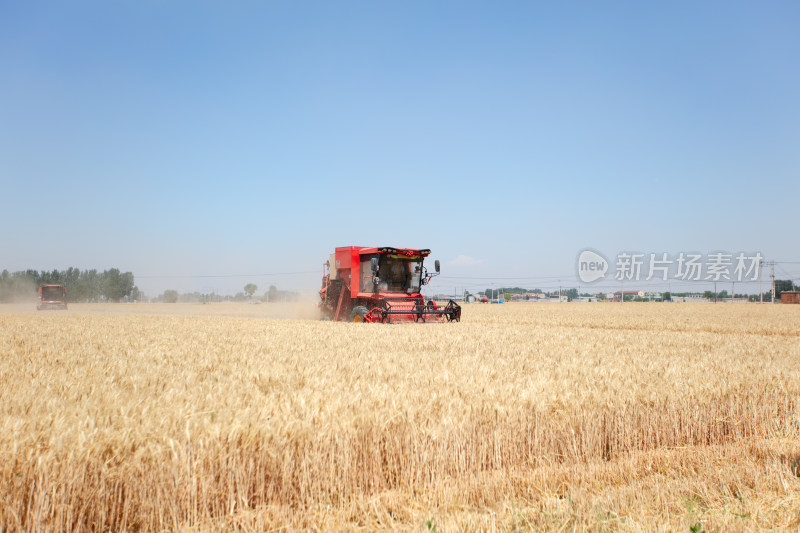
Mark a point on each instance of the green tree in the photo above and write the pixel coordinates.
(89, 286)
(782, 285)
(571, 294)
(117, 285)
(250, 289)
(170, 296)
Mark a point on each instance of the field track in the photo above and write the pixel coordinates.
(600, 416)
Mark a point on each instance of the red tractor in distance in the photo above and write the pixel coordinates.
(52, 297)
(363, 284)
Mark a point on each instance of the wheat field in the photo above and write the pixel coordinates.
(522, 417)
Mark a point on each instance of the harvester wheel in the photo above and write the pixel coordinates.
(357, 314)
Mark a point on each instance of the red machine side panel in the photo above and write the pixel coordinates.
(343, 257)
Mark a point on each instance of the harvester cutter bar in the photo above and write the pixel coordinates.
(419, 310)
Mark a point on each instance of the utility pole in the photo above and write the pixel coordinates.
(760, 277)
(772, 278)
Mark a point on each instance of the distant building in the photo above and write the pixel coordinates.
(736, 300)
(617, 296)
(790, 297)
(690, 298)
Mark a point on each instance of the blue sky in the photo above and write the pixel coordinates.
(197, 139)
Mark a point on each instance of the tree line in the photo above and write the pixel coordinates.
(82, 285)
(273, 294)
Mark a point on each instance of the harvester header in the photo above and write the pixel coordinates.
(381, 284)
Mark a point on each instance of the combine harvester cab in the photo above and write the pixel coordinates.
(362, 284)
(52, 297)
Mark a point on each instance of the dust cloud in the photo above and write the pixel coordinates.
(18, 293)
(300, 310)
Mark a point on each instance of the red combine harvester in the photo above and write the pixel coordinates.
(52, 297)
(363, 284)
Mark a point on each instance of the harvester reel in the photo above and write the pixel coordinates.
(453, 312)
(375, 314)
(419, 307)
